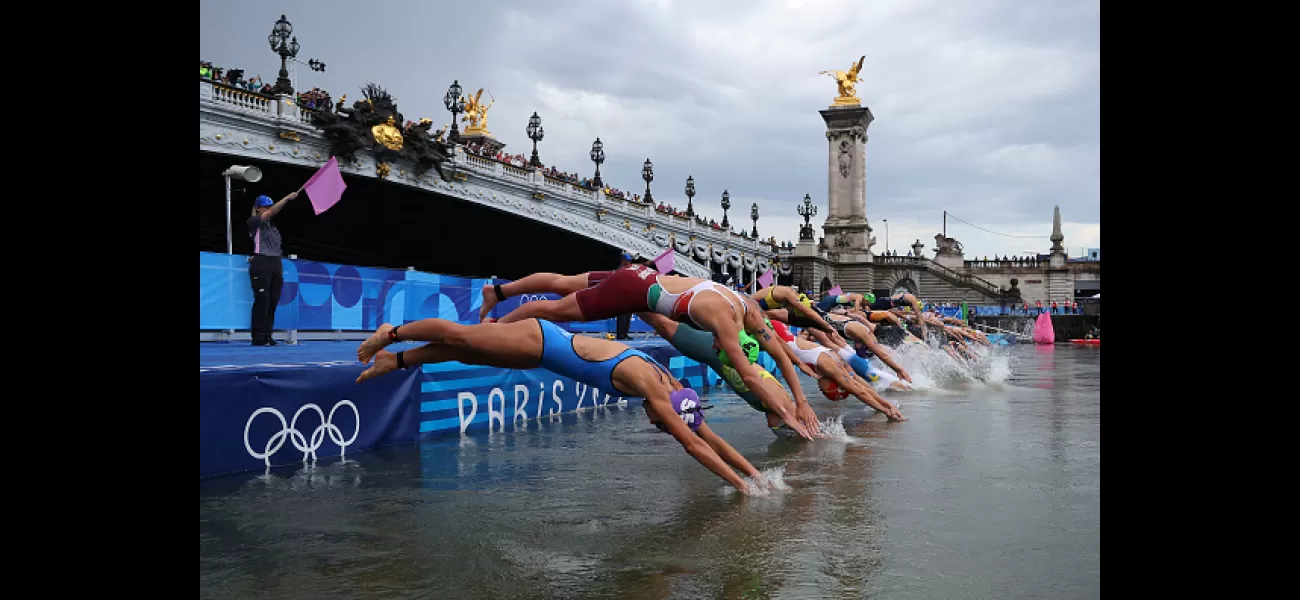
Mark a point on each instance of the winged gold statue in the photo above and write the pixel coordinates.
(476, 114)
(847, 81)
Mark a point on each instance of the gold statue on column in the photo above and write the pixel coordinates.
(476, 114)
(847, 82)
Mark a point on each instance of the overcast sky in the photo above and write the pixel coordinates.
(988, 109)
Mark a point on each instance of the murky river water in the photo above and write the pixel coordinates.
(990, 490)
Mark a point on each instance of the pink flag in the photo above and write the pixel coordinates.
(765, 280)
(326, 186)
(664, 262)
(835, 291)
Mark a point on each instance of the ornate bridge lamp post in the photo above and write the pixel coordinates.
(690, 195)
(535, 133)
(648, 174)
(726, 203)
(598, 157)
(456, 104)
(287, 49)
(808, 210)
(753, 216)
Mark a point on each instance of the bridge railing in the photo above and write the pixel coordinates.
(597, 199)
(282, 110)
(920, 261)
(1007, 264)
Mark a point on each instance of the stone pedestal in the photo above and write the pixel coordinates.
(953, 260)
(806, 249)
(489, 144)
(846, 227)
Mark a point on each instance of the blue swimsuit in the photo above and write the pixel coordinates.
(559, 357)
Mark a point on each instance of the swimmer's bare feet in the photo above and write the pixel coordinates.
(385, 363)
(376, 342)
(489, 301)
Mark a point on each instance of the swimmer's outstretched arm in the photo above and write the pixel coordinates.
(864, 392)
(659, 408)
(889, 316)
(835, 341)
(726, 452)
(792, 302)
(781, 353)
(868, 339)
(916, 306)
(794, 360)
(730, 344)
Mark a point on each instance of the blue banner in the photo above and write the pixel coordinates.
(250, 419)
(328, 297)
(455, 397)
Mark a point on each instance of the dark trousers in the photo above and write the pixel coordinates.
(622, 325)
(266, 274)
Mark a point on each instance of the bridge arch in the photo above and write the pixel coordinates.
(906, 283)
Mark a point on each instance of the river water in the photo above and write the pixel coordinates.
(992, 489)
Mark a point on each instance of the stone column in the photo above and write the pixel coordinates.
(846, 227)
(1060, 288)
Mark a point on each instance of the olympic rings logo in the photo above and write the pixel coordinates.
(526, 298)
(290, 432)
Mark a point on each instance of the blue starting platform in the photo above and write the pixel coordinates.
(262, 407)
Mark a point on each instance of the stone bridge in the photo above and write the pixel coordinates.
(241, 124)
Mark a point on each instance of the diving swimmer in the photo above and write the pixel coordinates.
(901, 298)
(604, 364)
(798, 311)
(831, 366)
(723, 312)
(854, 300)
(698, 346)
(864, 346)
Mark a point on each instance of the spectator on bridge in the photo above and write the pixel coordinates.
(265, 269)
(1039, 305)
(1054, 309)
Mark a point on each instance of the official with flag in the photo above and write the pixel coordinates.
(265, 269)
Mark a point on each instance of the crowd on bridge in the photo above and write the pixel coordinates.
(313, 99)
(233, 78)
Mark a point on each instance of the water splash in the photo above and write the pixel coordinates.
(999, 369)
(833, 429)
(768, 481)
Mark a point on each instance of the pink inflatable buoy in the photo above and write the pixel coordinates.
(1043, 331)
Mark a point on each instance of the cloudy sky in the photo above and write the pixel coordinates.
(988, 109)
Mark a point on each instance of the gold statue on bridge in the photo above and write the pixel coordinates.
(847, 82)
(476, 114)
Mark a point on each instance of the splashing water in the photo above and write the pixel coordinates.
(767, 482)
(999, 369)
(933, 369)
(833, 429)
